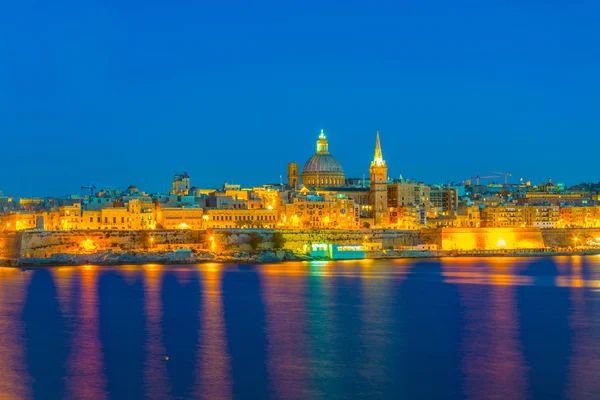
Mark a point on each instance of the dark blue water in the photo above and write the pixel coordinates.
(494, 328)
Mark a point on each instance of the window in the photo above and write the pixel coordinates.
(114, 220)
(106, 220)
(91, 219)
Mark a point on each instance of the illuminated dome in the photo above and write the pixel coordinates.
(132, 189)
(322, 163)
(322, 169)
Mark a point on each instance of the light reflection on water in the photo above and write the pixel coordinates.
(493, 363)
(283, 293)
(14, 379)
(86, 379)
(501, 328)
(155, 373)
(214, 380)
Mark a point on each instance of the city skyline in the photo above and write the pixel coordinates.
(487, 177)
(125, 94)
(299, 199)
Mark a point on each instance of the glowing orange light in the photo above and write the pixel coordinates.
(88, 246)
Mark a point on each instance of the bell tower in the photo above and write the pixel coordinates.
(292, 178)
(378, 192)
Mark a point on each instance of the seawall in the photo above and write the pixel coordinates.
(46, 244)
(569, 237)
(9, 245)
(509, 238)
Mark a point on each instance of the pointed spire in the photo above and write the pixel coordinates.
(378, 158)
(378, 155)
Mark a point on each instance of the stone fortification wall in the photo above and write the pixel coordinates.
(488, 238)
(9, 245)
(566, 237)
(296, 239)
(431, 236)
(491, 238)
(45, 243)
(42, 244)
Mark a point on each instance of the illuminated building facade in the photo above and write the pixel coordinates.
(445, 199)
(133, 216)
(408, 193)
(518, 216)
(320, 211)
(503, 217)
(17, 221)
(542, 216)
(579, 217)
(580, 198)
(269, 198)
(181, 184)
(405, 217)
(240, 218)
(67, 217)
(180, 218)
(468, 217)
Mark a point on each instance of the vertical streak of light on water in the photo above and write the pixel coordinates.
(584, 362)
(493, 363)
(86, 378)
(510, 371)
(323, 350)
(376, 335)
(63, 278)
(283, 291)
(155, 371)
(213, 364)
(14, 379)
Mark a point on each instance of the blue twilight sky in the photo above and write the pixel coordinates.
(130, 92)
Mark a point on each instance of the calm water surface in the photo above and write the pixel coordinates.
(496, 328)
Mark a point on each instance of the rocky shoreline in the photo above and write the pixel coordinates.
(243, 257)
(163, 258)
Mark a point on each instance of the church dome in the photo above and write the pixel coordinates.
(322, 169)
(322, 163)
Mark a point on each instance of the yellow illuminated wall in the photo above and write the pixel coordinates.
(491, 238)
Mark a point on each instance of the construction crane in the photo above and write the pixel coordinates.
(477, 178)
(506, 175)
(90, 188)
